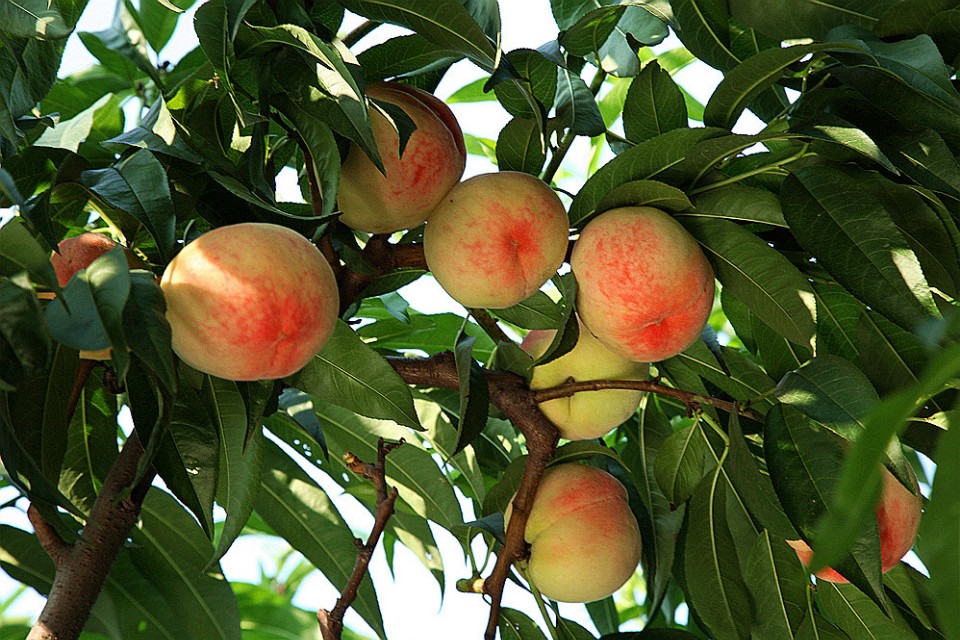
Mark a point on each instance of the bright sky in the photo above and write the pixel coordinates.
(415, 595)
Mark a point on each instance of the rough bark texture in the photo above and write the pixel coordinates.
(82, 567)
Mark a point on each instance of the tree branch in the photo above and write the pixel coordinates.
(688, 398)
(82, 568)
(510, 393)
(331, 622)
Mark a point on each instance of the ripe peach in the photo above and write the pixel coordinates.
(645, 287)
(414, 183)
(496, 238)
(77, 253)
(588, 414)
(250, 301)
(898, 520)
(584, 540)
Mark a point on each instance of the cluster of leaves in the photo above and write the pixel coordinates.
(833, 231)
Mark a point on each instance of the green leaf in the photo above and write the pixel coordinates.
(21, 252)
(138, 185)
(654, 105)
(70, 134)
(740, 203)
(831, 391)
(241, 459)
(405, 56)
(858, 616)
(939, 530)
(474, 393)
(516, 625)
(350, 374)
(172, 550)
(788, 19)
(32, 19)
(89, 313)
(576, 106)
(446, 23)
(651, 193)
(298, 510)
(158, 132)
(761, 277)
(679, 465)
(520, 147)
(536, 312)
(852, 236)
(324, 154)
(645, 161)
(745, 82)
(713, 582)
(778, 585)
(411, 469)
(146, 329)
(704, 27)
(25, 346)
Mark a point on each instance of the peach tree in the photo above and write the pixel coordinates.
(784, 349)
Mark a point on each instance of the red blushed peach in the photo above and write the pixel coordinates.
(413, 183)
(77, 253)
(645, 287)
(584, 540)
(250, 301)
(588, 414)
(496, 238)
(898, 520)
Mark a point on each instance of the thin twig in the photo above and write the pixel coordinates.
(331, 622)
(55, 546)
(687, 397)
(359, 33)
(489, 324)
(564, 145)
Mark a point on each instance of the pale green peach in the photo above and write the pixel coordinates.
(645, 287)
(496, 239)
(250, 301)
(898, 520)
(584, 540)
(587, 414)
(413, 183)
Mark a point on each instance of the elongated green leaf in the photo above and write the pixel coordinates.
(25, 346)
(536, 312)
(404, 56)
(173, 551)
(939, 530)
(241, 459)
(654, 105)
(576, 107)
(444, 22)
(20, 251)
(474, 393)
(744, 83)
(520, 147)
(411, 469)
(644, 161)
(138, 185)
(516, 625)
(297, 509)
(853, 237)
(713, 581)
(704, 27)
(763, 279)
(146, 329)
(32, 19)
(651, 193)
(860, 618)
(778, 584)
(831, 391)
(678, 466)
(350, 374)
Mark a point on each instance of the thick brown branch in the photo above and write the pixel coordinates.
(688, 398)
(384, 257)
(510, 393)
(83, 567)
(331, 622)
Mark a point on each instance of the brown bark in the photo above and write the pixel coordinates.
(82, 567)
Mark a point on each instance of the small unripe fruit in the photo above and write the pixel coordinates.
(584, 540)
(496, 239)
(250, 301)
(413, 184)
(587, 414)
(645, 289)
(898, 521)
(77, 253)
